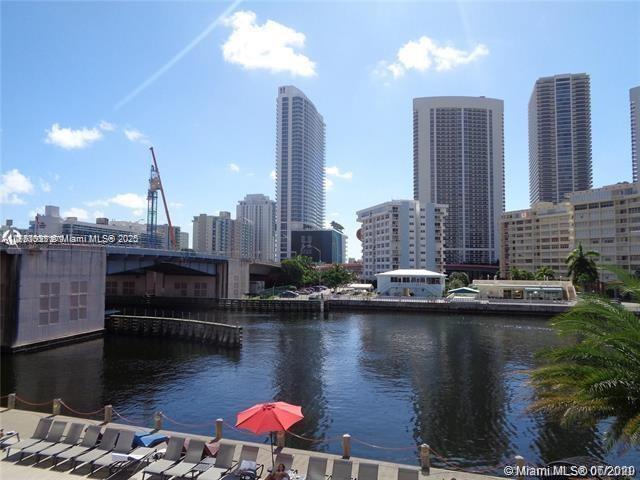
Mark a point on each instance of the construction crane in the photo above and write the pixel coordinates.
(155, 184)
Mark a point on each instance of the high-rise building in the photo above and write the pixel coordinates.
(402, 234)
(203, 233)
(300, 167)
(559, 137)
(634, 103)
(221, 235)
(458, 160)
(325, 246)
(260, 211)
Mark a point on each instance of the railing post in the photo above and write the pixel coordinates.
(425, 460)
(56, 406)
(280, 439)
(11, 401)
(346, 445)
(108, 413)
(219, 423)
(157, 418)
(520, 467)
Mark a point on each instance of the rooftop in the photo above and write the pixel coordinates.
(411, 272)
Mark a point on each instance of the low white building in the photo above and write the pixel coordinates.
(411, 283)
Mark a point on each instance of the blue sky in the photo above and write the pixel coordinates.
(75, 126)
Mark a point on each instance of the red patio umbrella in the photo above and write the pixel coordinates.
(269, 417)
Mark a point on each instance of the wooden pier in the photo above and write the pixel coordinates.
(206, 332)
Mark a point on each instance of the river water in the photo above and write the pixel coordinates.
(458, 383)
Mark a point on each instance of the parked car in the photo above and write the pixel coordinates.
(289, 294)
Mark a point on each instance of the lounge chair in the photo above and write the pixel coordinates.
(317, 468)
(38, 435)
(124, 446)
(408, 474)
(53, 437)
(89, 441)
(70, 439)
(107, 443)
(191, 459)
(246, 462)
(367, 471)
(8, 436)
(171, 456)
(341, 470)
(224, 462)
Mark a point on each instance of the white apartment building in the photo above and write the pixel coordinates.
(221, 235)
(458, 161)
(260, 211)
(300, 167)
(541, 236)
(559, 137)
(402, 234)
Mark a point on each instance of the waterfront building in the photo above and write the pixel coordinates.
(524, 290)
(326, 245)
(541, 236)
(634, 104)
(605, 220)
(410, 282)
(62, 302)
(402, 234)
(300, 167)
(458, 161)
(221, 235)
(260, 211)
(559, 137)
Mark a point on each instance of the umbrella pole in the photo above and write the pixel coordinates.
(273, 462)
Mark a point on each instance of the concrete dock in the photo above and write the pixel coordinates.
(24, 422)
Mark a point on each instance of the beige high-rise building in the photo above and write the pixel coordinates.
(540, 236)
(605, 220)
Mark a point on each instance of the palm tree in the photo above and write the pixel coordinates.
(582, 266)
(545, 273)
(598, 376)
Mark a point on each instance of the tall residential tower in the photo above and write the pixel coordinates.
(634, 103)
(458, 160)
(300, 167)
(559, 137)
(260, 211)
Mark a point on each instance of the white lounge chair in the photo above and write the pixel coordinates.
(70, 439)
(89, 441)
(53, 436)
(107, 443)
(191, 459)
(171, 456)
(223, 463)
(38, 435)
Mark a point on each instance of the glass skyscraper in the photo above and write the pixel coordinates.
(300, 167)
(559, 137)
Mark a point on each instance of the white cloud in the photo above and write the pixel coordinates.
(129, 200)
(79, 213)
(106, 126)
(56, 177)
(134, 135)
(335, 172)
(424, 54)
(97, 203)
(71, 139)
(44, 185)
(176, 204)
(272, 175)
(13, 185)
(270, 46)
(233, 168)
(99, 214)
(328, 184)
(36, 211)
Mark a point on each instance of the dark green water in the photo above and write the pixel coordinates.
(457, 383)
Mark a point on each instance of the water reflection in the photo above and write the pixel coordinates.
(457, 383)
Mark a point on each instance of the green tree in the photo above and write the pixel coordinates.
(337, 276)
(595, 376)
(520, 274)
(461, 279)
(545, 273)
(582, 266)
(296, 270)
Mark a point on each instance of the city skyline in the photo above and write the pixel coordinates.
(65, 142)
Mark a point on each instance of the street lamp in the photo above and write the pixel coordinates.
(319, 262)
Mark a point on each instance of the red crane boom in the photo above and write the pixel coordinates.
(172, 234)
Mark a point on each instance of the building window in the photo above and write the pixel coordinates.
(128, 287)
(78, 301)
(49, 303)
(181, 288)
(200, 289)
(111, 288)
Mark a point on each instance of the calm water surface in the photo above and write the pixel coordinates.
(458, 383)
